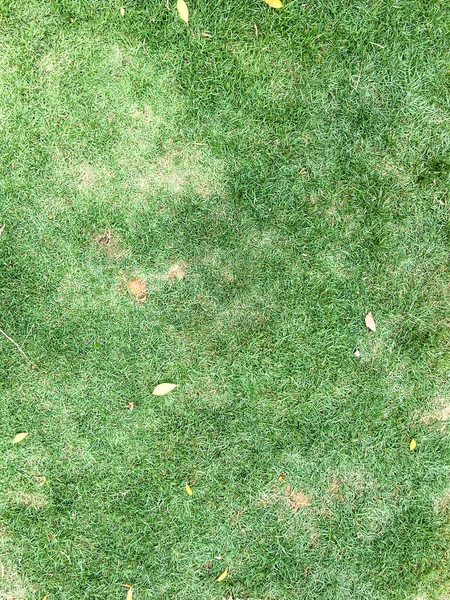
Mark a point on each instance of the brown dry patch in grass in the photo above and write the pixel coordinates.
(109, 243)
(138, 289)
(296, 499)
(30, 500)
(177, 271)
(177, 171)
(86, 176)
(440, 413)
(442, 505)
(13, 585)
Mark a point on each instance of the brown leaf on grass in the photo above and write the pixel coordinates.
(370, 322)
(138, 289)
(183, 10)
(296, 498)
(130, 405)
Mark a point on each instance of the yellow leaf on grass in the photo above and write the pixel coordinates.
(274, 3)
(130, 594)
(370, 322)
(45, 597)
(412, 445)
(164, 388)
(188, 489)
(19, 437)
(183, 10)
(222, 577)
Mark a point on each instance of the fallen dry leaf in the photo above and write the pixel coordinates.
(130, 593)
(130, 405)
(122, 11)
(357, 353)
(223, 575)
(183, 10)
(164, 388)
(19, 437)
(370, 322)
(206, 35)
(189, 490)
(412, 445)
(274, 3)
(281, 476)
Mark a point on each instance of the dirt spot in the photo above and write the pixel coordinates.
(138, 289)
(296, 499)
(30, 500)
(109, 243)
(177, 271)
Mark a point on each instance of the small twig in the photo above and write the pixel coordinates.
(30, 330)
(16, 345)
(67, 556)
(375, 44)
(256, 29)
(2, 228)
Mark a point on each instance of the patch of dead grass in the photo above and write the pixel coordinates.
(138, 289)
(13, 585)
(178, 171)
(177, 271)
(440, 412)
(30, 500)
(296, 499)
(109, 243)
(86, 176)
(442, 505)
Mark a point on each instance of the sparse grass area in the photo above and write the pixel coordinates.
(221, 213)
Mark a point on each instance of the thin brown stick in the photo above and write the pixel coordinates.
(16, 345)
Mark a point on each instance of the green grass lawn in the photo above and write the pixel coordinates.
(259, 191)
